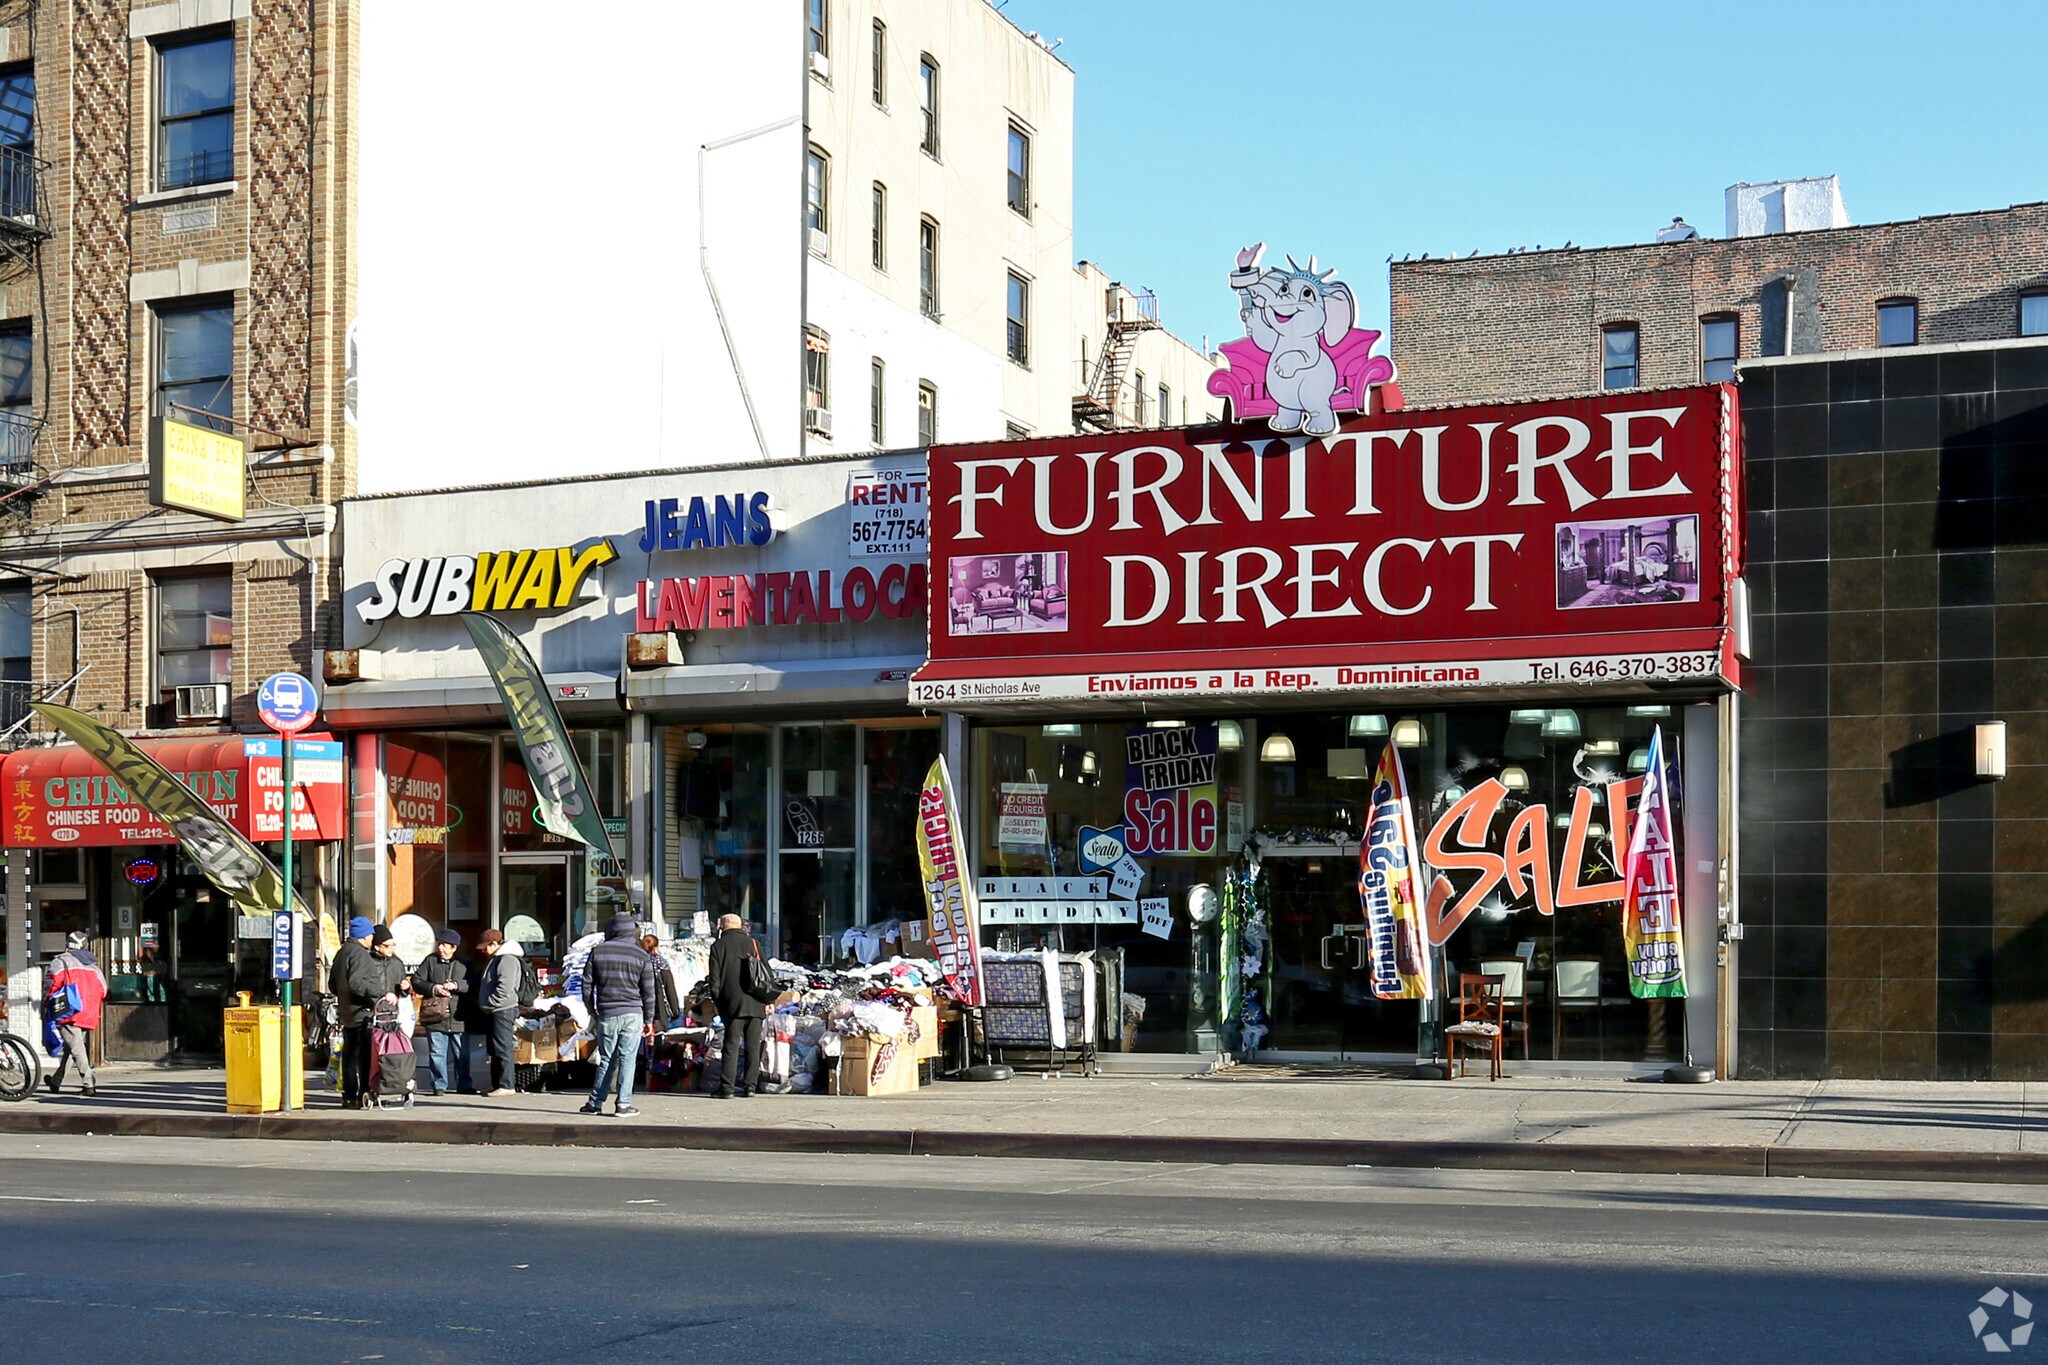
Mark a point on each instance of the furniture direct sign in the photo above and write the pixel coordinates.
(1580, 541)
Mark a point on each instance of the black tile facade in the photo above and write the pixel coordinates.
(1896, 910)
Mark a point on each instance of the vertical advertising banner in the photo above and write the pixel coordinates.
(1650, 920)
(563, 802)
(1390, 889)
(1171, 802)
(949, 895)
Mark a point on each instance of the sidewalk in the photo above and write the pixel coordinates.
(1292, 1115)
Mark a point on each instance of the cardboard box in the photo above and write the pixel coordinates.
(927, 1019)
(535, 1043)
(855, 1072)
(571, 1045)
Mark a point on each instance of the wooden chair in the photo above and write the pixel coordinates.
(1578, 988)
(1479, 1021)
(1513, 974)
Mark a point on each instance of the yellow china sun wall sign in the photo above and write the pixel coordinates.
(197, 469)
(493, 580)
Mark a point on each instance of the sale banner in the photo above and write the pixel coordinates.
(1651, 920)
(1170, 791)
(1390, 889)
(949, 891)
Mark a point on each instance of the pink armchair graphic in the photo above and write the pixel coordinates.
(1365, 382)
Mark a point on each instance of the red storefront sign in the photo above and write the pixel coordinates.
(418, 784)
(64, 798)
(1577, 542)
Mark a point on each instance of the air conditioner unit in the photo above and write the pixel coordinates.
(821, 66)
(819, 420)
(201, 701)
(819, 242)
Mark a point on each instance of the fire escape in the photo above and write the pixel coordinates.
(25, 225)
(1102, 404)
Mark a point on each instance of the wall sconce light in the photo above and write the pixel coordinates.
(1990, 749)
(1229, 736)
(1639, 760)
(1410, 733)
(1088, 764)
(1278, 748)
(1561, 724)
(1515, 778)
(1367, 727)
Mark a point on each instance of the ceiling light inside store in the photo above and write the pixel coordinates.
(1596, 830)
(1410, 733)
(1639, 760)
(1062, 731)
(1649, 710)
(1527, 716)
(1603, 746)
(1165, 725)
(1278, 748)
(1229, 736)
(1561, 725)
(1367, 727)
(1515, 779)
(1562, 821)
(1088, 764)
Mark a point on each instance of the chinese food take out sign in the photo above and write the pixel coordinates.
(1579, 541)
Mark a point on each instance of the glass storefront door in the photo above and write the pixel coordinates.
(1315, 973)
(533, 894)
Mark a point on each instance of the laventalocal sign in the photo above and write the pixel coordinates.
(1584, 540)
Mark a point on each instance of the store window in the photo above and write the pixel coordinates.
(1618, 357)
(196, 362)
(437, 818)
(195, 630)
(196, 111)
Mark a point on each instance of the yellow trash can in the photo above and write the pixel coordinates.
(258, 1056)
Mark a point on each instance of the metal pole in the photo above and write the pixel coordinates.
(285, 1015)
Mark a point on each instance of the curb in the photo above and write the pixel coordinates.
(2027, 1168)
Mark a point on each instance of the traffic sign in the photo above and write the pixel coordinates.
(304, 750)
(287, 702)
(284, 947)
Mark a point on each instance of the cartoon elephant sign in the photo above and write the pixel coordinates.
(1295, 315)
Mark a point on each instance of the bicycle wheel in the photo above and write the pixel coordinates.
(19, 1069)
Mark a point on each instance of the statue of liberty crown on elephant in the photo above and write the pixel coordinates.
(1302, 360)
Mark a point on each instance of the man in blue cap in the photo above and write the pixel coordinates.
(355, 1039)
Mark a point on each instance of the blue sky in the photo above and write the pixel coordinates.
(1358, 129)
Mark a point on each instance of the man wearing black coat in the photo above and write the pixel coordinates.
(369, 978)
(445, 976)
(742, 1012)
(354, 1016)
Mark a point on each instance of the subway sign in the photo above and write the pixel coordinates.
(493, 580)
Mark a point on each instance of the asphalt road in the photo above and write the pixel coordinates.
(197, 1250)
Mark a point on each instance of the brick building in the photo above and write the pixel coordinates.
(176, 234)
(1653, 314)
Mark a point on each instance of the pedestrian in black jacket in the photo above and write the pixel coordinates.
(354, 1018)
(444, 976)
(371, 977)
(667, 1005)
(618, 990)
(743, 1014)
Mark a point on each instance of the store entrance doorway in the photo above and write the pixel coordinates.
(534, 907)
(1316, 985)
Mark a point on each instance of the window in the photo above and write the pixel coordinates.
(877, 431)
(928, 267)
(1017, 330)
(2034, 313)
(17, 142)
(196, 362)
(195, 141)
(1020, 170)
(195, 630)
(1165, 405)
(1718, 338)
(817, 368)
(878, 246)
(878, 63)
(1898, 322)
(1618, 357)
(927, 413)
(1138, 396)
(17, 649)
(1013, 432)
(17, 398)
(928, 102)
(819, 22)
(816, 186)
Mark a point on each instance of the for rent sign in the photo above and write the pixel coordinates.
(1579, 540)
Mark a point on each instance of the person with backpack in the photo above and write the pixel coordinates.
(618, 990)
(509, 983)
(77, 988)
(743, 1009)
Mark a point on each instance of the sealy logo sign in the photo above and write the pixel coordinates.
(495, 580)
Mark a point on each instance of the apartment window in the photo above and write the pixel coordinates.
(878, 65)
(17, 648)
(817, 368)
(878, 246)
(927, 413)
(816, 187)
(1020, 170)
(1898, 322)
(928, 267)
(1618, 357)
(17, 142)
(1013, 431)
(17, 379)
(1165, 405)
(928, 101)
(195, 630)
(195, 347)
(196, 111)
(877, 431)
(1718, 338)
(1138, 396)
(1017, 330)
(819, 21)
(2034, 313)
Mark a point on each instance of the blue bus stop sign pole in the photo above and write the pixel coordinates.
(288, 703)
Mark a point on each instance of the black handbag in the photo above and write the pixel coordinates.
(756, 981)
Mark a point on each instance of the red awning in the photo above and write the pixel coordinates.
(63, 798)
